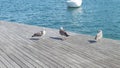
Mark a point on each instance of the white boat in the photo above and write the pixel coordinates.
(74, 3)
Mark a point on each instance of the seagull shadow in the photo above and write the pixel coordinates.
(91, 41)
(56, 38)
(34, 39)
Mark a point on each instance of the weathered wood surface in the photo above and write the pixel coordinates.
(19, 50)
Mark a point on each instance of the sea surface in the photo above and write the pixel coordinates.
(93, 15)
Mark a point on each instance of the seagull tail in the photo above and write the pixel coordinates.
(67, 35)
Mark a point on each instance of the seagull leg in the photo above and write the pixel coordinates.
(43, 37)
(65, 38)
(62, 38)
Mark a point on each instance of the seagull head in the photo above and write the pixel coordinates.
(99, 31)
(61, 28)
(44, 30)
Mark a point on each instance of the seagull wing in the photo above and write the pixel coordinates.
(37, 34)
(62, 32)
(98, 36)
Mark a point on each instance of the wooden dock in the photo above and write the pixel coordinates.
(19, 50)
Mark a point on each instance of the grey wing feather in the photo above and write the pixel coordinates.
(62, 32)
(37, 34)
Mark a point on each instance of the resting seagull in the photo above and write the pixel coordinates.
(39, 34)
(99, 35)
(63, 32)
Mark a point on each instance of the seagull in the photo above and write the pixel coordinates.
(39, 34)
(63, 32)
(99, 35)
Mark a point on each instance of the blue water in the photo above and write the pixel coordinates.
(92, 16)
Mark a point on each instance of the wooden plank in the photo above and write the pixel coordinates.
(5, 62)
(17, 47)
(2, 65)
(47, 50)
(70, 54)
(11, 62)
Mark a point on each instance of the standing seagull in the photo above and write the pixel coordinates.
(63, 32)
(39, 34)
(99, 35)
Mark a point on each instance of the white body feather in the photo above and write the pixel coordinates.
(99, 35)
(44, 32)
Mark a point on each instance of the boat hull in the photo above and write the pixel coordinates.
(74, 3)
